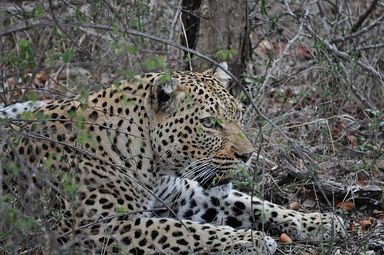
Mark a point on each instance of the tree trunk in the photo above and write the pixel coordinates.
(215, 28)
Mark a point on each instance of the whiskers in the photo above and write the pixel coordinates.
(204, 171)
(189, 171)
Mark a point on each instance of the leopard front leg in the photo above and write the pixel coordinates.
(224, 206)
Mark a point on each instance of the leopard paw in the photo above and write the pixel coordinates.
(311, 226)
(322, 226)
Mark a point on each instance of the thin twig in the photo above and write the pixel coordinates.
(343, 55)
(368, 47)
(364, 30)
(365, 15)
(289, 44)
(186, 42)
(57, 23)
(323, 18)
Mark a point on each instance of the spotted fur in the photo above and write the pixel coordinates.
(149, 159)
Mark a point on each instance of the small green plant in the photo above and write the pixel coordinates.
(39, 10)
(126, 102)
(263, 7)
(217, 122)
(223, 55)
(242, 96)
(28, 115)
(84, 94)
(13, 167)
(128, 74)
(241, 136)
(68, 55)
(151, 64)
(70, 188)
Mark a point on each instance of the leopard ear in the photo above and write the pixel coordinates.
(220, 74)
(163, 93)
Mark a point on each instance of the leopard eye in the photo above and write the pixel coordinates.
(207, 122)
(210, 122)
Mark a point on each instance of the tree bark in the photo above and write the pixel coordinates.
(218, 25)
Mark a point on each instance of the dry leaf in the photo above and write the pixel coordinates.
(363, 178)
(346, 205)
(295, 205)
(288, 93)
(366, 224)
(378, 214)
(285, 239)
(264, 49)
(352, 140)
(301, 164)
(280, 45)
(42, 77)
(380, 164)
(304, 52)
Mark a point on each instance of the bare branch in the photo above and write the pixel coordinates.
(364, 30)
(369, 47)
(365, 15)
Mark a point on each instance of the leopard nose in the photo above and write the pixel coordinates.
(243, 156)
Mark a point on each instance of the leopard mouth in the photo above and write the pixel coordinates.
(212, 174)
(214, 181)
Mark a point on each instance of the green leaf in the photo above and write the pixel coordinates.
(166, 77)
(68, 55)
(4, 234)
(263, 7)
(79, 15)
(84, 94)
(26, 55)
(32, 96)
(319, 44)
(132, 49)
(24, 44)
(127, 102)
(48, 161)
(80, 122)
(28, 115)
(71, 189)
(129, 74)
(72, 113)
(154, 63)
(121, 210)
(241, 136)
(223, 55)
(14, 168)
(84, 138)
(39, 10)
(242, 96)
(218, 122)
(25, 224)
(150, 65)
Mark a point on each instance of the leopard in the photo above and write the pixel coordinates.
(151, 159)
